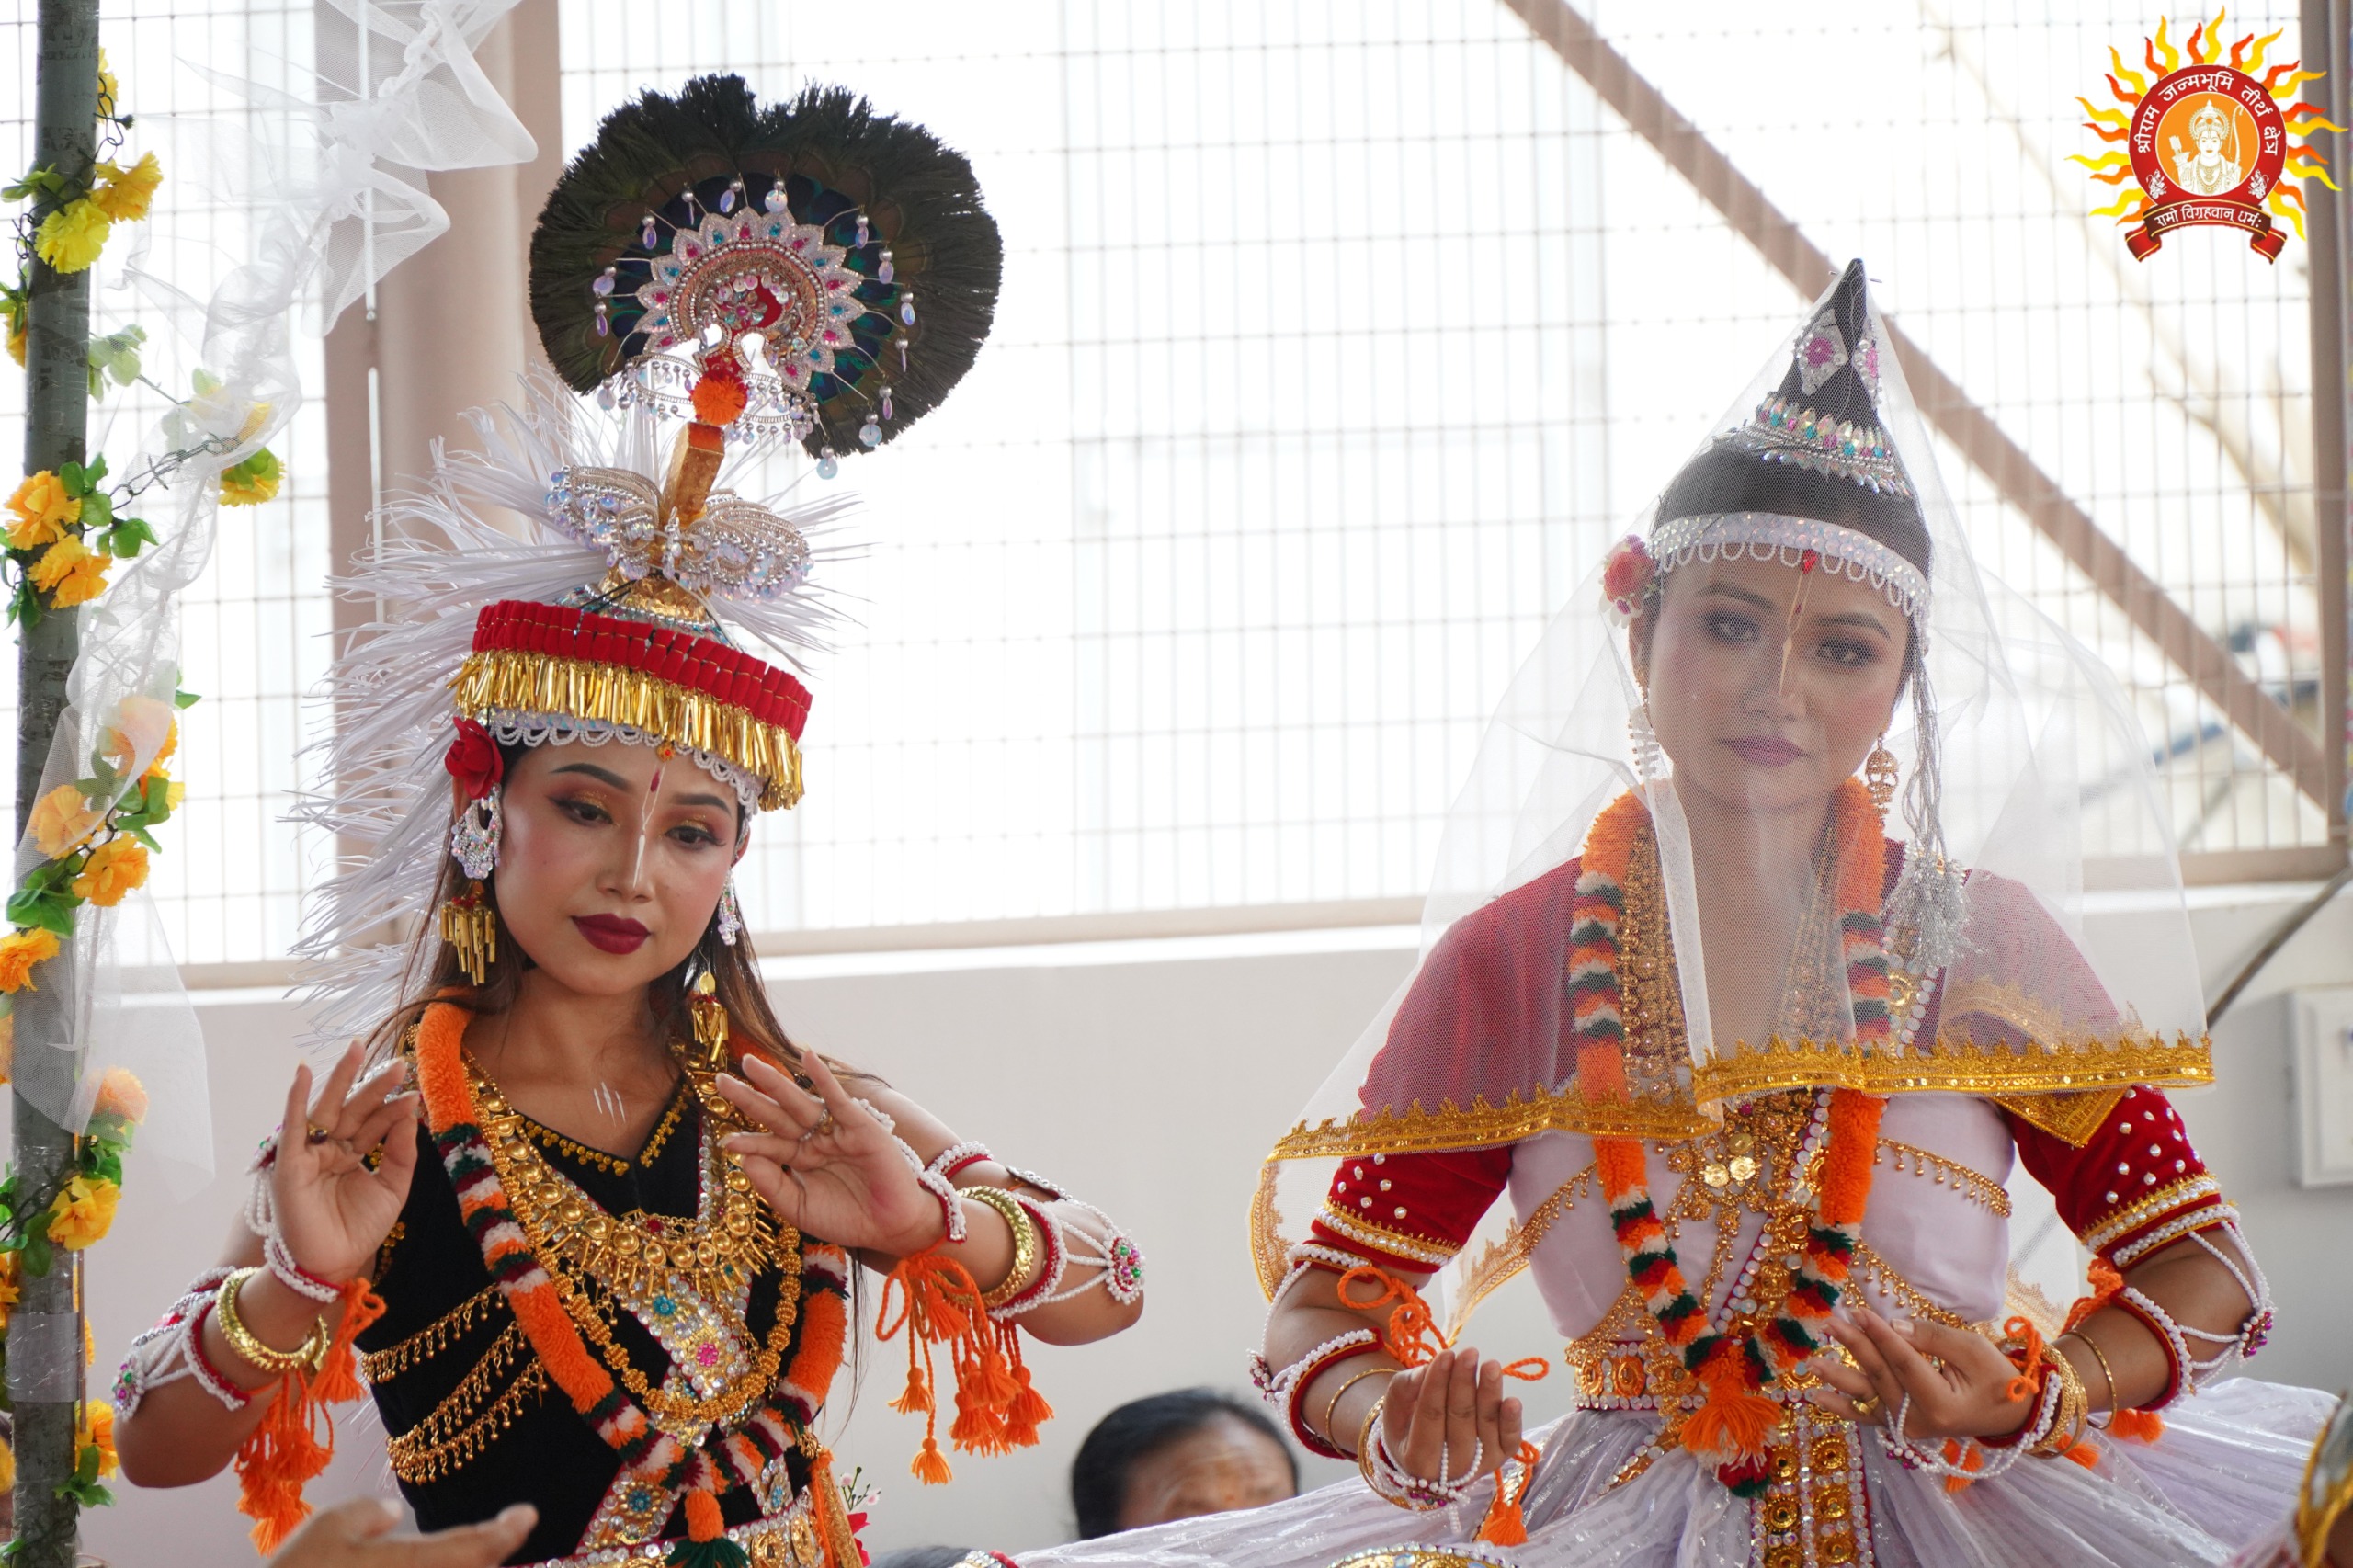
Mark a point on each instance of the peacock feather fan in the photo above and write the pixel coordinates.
(853, 244)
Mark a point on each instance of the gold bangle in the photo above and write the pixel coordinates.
(2067, 1420)
(1025, 1242)
(1364, 1441)
(311, 1355)
(2108, 1374)
(1332, 1405)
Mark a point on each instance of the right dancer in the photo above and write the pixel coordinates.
(1753, 1060)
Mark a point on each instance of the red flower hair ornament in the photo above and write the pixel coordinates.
(1629, 577)
(474, 760)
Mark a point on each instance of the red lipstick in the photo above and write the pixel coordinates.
(1766, 751)
(612, 933)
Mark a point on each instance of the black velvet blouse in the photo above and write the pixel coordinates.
(537, 1450)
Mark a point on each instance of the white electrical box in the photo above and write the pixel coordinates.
(2323, 1085)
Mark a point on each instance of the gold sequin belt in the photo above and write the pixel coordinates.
(787, 1539)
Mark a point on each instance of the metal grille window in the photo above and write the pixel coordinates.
(1336, 341)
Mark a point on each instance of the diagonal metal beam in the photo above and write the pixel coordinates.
(2020, 481)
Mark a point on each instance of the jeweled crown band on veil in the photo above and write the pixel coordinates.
(1775, 536)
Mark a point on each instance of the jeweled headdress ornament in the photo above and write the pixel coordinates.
(724, 277)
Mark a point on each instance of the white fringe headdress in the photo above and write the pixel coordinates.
(595, 621)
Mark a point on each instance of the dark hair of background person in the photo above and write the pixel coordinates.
(924, 1557)
(1139, 1428)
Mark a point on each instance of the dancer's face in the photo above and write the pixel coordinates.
(614, 860)
(1740, 722)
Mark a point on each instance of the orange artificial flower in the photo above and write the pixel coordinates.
(71, 573)
(19, 951)
(11, 1288)
(84, 1212)
(62, 820)
(113, 868)
(120, 1094)
(141, 725)
(41, 509)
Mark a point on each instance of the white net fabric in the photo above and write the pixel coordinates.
(1769, 662)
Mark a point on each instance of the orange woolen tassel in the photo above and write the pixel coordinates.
(1967, 1456)
(2083, 1454)
(1735, 1420)
(704, 1521)
(2136, 1426)
(1028, 1409)
(338, 1380)
(930, 1466)
(276, 1461)
(1505, 1525)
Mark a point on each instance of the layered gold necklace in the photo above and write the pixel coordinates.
(687, 1280)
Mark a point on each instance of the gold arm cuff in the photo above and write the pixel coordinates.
(310, 1355)
(1025, 1242)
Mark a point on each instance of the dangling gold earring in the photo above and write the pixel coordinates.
(709, 1017)
(469, 923)
(1879, 773)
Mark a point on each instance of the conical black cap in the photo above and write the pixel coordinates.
(1816, 447)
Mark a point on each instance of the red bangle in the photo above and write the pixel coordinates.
(2165, 1342)
(200, 1366)
(1309, 1438)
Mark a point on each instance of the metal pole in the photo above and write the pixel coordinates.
(57, 341)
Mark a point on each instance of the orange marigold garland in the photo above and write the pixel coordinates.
(1731, 1426)
(651, 1455)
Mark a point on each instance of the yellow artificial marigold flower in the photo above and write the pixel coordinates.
(174, 794)
(7, 1062)
(11, 1288)
(113, 868)
(71, 237)
(121, 1094)
(61, 820)
(98, 1428)
(17, 347)
(39, 511)
(7, 1466)
(18, 952)
(156, 769)
(84, 1212)
(126, 193)
(71, 573)
(109, 90)
(252, 482)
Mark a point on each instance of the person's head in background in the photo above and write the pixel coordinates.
(1177, 1456)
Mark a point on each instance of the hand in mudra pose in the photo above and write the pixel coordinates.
(1962, 1394)
(1448, 1417)
(334, 1211)
(828, 1163)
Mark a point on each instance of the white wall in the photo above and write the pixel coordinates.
(1152, 1078)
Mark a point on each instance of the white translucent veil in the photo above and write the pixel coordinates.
(2021, 765)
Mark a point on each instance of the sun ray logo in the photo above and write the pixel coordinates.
(2206, 141)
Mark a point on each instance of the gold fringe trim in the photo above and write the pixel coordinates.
(2066, 1088)
(1957, 1067)
(524, 682)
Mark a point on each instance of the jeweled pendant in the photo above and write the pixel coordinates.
(647, 235)
(888, 270)
(828, 465)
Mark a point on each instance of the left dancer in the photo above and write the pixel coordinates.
(584, 1211)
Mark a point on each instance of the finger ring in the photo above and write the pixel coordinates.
(824, 1121)
(1867, 1407)
(313, 1134)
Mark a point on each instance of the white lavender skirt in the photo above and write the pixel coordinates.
(2224, 1472)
